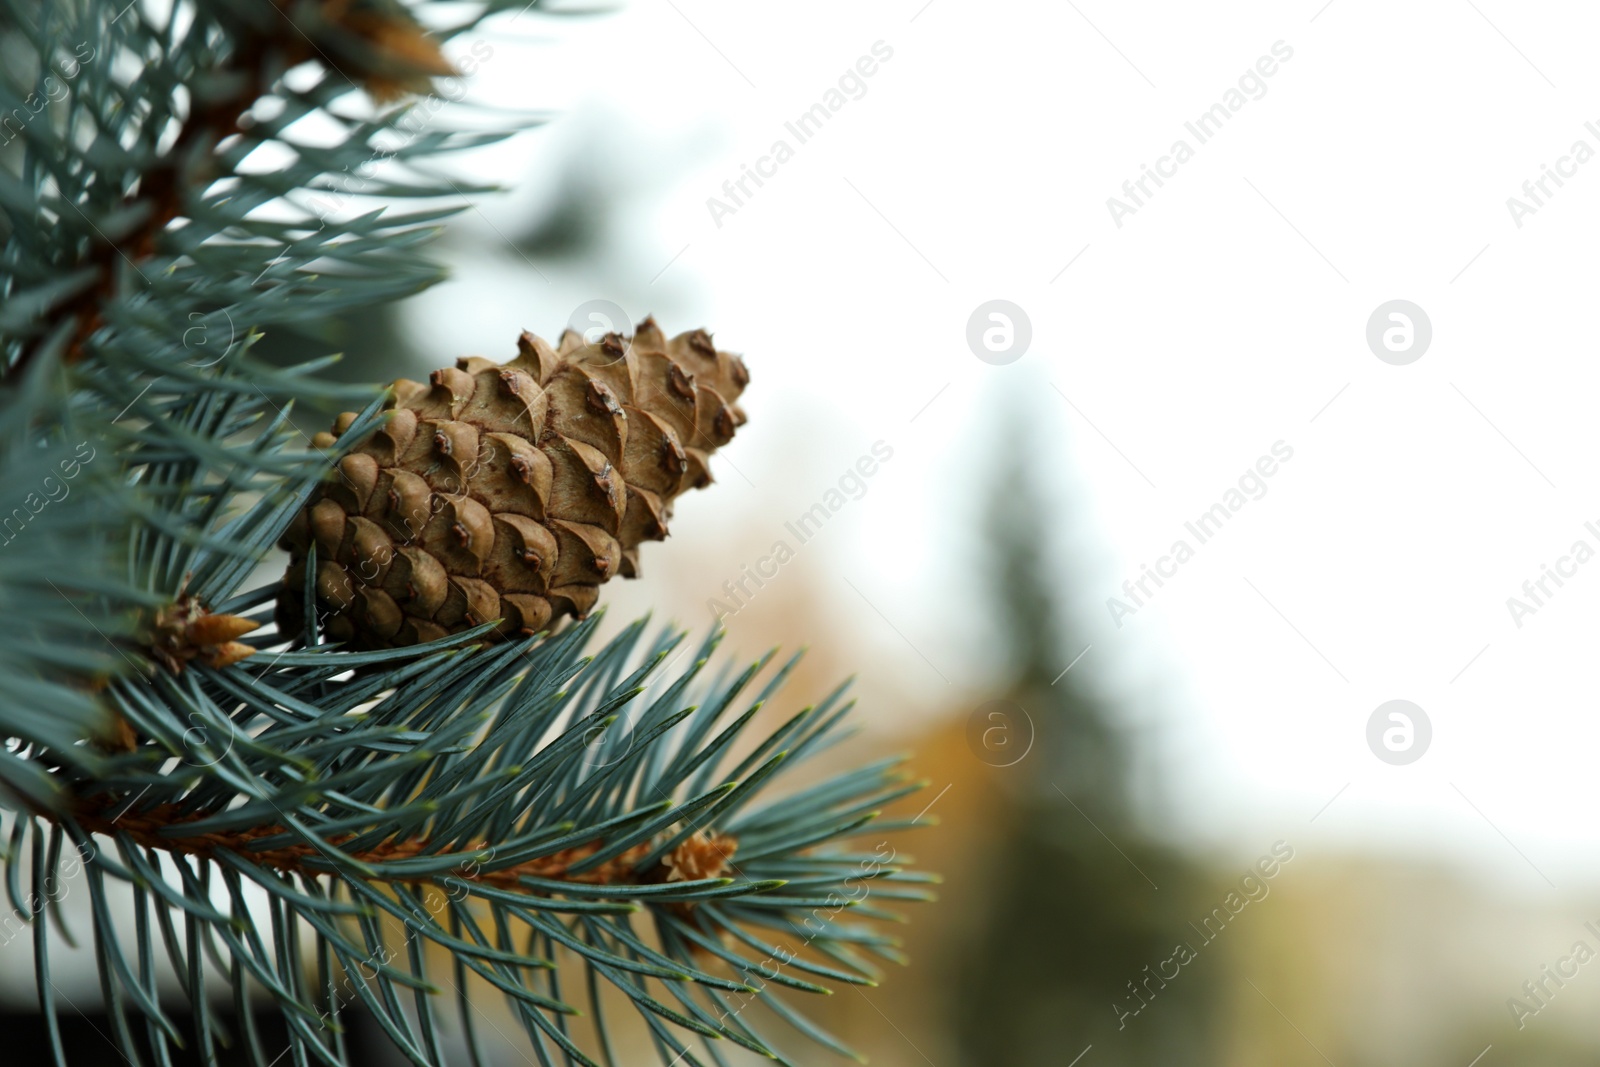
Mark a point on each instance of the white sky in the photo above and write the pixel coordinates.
(1225, 315)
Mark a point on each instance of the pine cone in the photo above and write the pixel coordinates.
(511, 491)
(375, 42)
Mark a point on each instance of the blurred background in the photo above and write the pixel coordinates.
(1171, 829)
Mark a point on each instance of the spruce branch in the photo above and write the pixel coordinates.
(383, 49)
(500, 784)
(286, 814)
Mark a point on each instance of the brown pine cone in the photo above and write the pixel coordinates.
(511, 491)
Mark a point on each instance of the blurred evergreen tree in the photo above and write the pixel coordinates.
(1083, 901)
